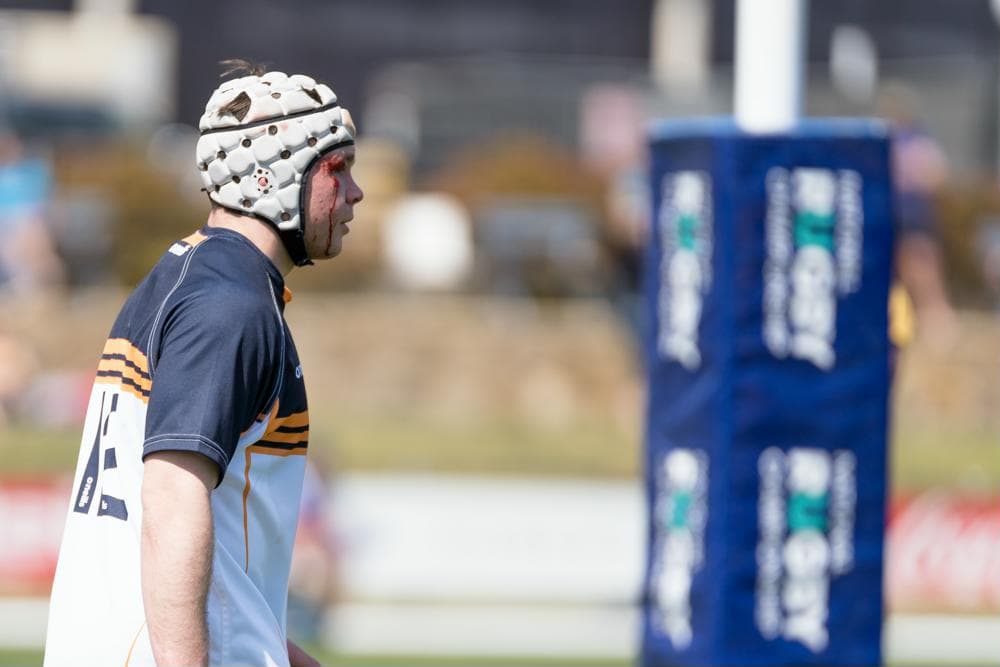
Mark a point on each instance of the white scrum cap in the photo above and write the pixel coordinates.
(259, 137)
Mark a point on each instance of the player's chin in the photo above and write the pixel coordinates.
(332, 251)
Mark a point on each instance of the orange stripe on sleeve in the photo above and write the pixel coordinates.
(246, 495)
(125, 348)
(129, 371)
(194, 239)
(117, 382)
(119, 366)
(288, 438)
(295, 420)
(262, 416)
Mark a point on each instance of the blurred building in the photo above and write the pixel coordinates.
(97, 69)
(497, 49)
(347, 43)
(437, 80)
(947, 53)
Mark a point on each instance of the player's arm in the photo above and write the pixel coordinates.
(177, 554)
(299, 658)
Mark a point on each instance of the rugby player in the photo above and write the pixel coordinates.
(179, 533)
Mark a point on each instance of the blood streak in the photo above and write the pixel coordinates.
(335, 163)
(329, 214)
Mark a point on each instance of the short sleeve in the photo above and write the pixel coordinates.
(214, 373)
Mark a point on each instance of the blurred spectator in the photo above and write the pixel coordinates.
(313, 582)
(17, 364)
(919, 303)
(988, 243)
(627, 232)
(613, 140)
(28, 260)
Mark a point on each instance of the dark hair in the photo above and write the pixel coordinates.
(241, 65)
(239, 105)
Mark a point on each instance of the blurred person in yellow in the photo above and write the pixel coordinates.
(178, 539)
(918, 301)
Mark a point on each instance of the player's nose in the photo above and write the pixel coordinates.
(354, 193)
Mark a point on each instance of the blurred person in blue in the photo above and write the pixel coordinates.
(178, 540)
(919, 301)
(28, 260)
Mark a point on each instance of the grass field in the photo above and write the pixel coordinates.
(34, 659)
(923, 456)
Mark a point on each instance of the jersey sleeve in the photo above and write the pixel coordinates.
(216, 363)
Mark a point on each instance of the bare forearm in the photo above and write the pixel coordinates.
(176, 564)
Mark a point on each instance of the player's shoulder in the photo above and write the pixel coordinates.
(226, 278)
(223, 249)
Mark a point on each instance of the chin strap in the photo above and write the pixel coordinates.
(295, 244)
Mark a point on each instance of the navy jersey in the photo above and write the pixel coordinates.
(200, 359)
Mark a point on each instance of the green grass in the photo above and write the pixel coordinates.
(460, 661)
(34, 658)
(923, 456)
(20, 658)
(590, 448)
(928, 456)
(36, 451)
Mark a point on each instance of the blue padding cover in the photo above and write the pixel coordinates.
(767, 274)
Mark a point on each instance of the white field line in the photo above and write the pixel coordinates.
(22, 622)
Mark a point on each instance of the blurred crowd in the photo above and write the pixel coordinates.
(519, 217)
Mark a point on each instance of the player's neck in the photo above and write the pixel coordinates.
(257, 232)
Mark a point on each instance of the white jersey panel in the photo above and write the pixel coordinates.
(252, 559)
(96, 591)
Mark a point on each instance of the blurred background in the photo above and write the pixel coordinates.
(474, 358)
